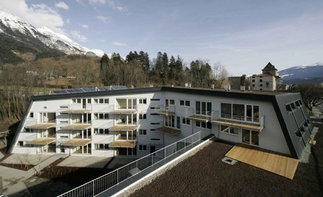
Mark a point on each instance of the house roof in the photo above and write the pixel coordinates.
(262, 75)
(269, 67)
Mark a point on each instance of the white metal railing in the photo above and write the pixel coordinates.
(111, 179)
(163, 108)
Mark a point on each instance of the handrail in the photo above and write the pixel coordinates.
(91, 184)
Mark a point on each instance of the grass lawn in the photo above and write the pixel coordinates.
(204, 174)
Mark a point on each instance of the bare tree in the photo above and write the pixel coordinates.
(312, 94)
(220, 75)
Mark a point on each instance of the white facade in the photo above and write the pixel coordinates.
(101, 118)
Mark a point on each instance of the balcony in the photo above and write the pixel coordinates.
(123, 144)
(76, 142)
(42, 126)
(41, 141)
(169, 130)
(238, 121)
(205, 116)
(165, 110)
(76, 127)
(124, 109)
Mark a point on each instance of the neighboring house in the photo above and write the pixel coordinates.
(269, 80)
(135, 122)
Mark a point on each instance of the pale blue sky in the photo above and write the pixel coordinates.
(241, 35)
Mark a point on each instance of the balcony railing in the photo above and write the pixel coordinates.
(165, 110)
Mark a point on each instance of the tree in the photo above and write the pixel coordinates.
(312, 94)
(220, 75)
(172, 70)
(103, 68)
(165, 68)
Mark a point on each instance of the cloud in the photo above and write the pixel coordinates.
(103, 19)
(85, 26)
(62, 5)
(97, 1)
(114, 6)
(38, 15)
(78, 36)
(119, 44)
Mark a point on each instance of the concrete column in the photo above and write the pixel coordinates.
(82, 149)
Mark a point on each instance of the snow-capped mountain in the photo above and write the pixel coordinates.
(302, 74)
(14, 27)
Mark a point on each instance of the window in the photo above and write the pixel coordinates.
(260, 85)
(253, 85)
(253, 80)
(186, 121)
(142, 132)
(267, 84)
(101, 131)
(31, 115)
(154, 139)
(74, 100)
(226, 110)
(101, 116)
(288, 108)
(170, 121)
(185, 103)
(203, 108)
(154, 99)
(154, 114)
(152, 129)
(96, 101)
(142, 147)
(142, 116)
(101, 100)
(292, 105)
(238, 111)
(78, 100)
(230, 130)
(203, 124)
(297, 104)
(106, 101)
(101, 146)
(178, 122)
(260, 80)
(89, 101)
(260, 89)
(155, 123)
(142, 101)
(172, 102)
(20, 143)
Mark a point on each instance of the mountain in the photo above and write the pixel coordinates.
(303, 74)
(17, 36)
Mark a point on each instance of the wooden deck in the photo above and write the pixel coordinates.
(169, 130)
(122, 144)
(278, 164)
(199, 118)
(123, 111)
(123, 128)
(76, 142)
(42, 126)
(76, 111)
(237, 124)
(76, 126)
(41, 141)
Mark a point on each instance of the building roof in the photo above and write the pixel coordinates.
(269, 67)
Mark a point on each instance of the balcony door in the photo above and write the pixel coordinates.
(250, 137)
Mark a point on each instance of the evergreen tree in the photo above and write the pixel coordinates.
(103, 68)
(172, 70)
(165, 69)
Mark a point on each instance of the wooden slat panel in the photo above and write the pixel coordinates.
(41, 141)
(122, 144)
(75, 142)
(76, 126)
(278, 164)
(42, 126)
(123, 128)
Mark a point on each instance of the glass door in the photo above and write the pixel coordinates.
(246, 136)
(250, 137)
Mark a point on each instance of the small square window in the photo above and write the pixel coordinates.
(89, 101)
(172, 102)
(101, 100)
(181, 102)
(187, 103)
(106, 101)
(31, 115)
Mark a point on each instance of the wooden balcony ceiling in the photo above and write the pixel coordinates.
(199, 118)
(41, 141)
(123, 128)
(238, 124)
(76, 142)
(123, 111)
(122, 144)
(42, 126)
(76, 111)
(169, 130)
(278, 164)
(165, 113)
(76, 126)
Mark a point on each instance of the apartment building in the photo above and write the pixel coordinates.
(135, 122)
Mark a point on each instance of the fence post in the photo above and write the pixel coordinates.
(93, 188)
(164, 152)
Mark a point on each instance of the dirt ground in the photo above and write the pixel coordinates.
(205, 174)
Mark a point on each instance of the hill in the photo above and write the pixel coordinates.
(303, 74)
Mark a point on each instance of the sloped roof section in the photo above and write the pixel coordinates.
(269, 67)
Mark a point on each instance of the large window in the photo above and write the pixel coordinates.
(170, 121)
(238, 112)
(226, 110)
(203, 108)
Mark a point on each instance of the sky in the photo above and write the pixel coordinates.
(241, 35)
